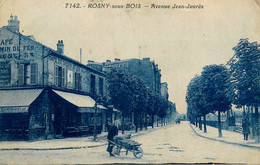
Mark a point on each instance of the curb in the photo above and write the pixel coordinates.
(42, 149)
(223, 141)
(66, 148)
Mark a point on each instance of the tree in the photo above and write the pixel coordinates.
(196, 101)
(128, 93)
(216, 88)
(244, 67)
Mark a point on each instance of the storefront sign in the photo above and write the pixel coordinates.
(89, 110)
(14, 109)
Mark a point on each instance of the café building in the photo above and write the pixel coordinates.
(45, 94)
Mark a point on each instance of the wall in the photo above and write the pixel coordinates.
(16, 49)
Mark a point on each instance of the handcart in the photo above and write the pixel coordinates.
(128, 145)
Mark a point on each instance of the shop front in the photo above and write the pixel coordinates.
(15, 113)
(86, 114)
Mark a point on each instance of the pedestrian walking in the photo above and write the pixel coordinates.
(245, 126)
(113, 131)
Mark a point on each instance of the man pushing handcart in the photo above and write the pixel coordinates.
(127, 144)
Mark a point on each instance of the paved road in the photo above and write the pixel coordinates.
(174, 143)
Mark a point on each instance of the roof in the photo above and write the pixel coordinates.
(21, 97)
(78, 100)
(54, 52)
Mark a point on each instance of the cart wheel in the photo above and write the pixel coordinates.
(138, 152)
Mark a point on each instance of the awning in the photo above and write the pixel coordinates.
(17, 101)
(81, 101)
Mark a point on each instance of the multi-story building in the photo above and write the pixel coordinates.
(145, 69)
(44, 93)
(164, 90)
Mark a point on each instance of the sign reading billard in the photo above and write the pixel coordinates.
(13, 110)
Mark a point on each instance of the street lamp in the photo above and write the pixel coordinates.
(98, 99)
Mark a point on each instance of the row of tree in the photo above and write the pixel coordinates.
(131, 95)
(220, 86)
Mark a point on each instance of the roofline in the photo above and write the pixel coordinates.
(54, 52)
(76, 63)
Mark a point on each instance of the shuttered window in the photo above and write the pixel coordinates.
(63, 77)
(20, 74)
(78, 81)
(59, 76)
(56, 75)
(34, 73)
(101, 86)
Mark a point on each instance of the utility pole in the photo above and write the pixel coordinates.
(139, 52)
(80, 60)
(95, 122)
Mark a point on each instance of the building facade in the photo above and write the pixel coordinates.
(44, 93)
(144, 69)
(164, 90)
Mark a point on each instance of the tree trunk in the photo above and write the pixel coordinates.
(152, 120)
(219, 125)
(136, 122)
(200, 124)
(257, 124)
(123, 124)
(141, 122)
(196, 122)
(157, 121)
(205, 128)
(146, 122)
(252, 123)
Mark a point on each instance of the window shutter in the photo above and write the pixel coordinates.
(80, 79)
(63, 78)
(34, 73)
(76, 80)
(20, 74)
(56, 75)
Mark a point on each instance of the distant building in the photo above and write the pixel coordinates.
(145, 69)
(164, 90)
(44, 93)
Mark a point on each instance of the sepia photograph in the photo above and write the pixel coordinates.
(129, 81)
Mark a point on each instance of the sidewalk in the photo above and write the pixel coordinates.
(229, 137)
(66, 143)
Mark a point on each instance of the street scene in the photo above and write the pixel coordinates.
(158, 149)
(146, 82)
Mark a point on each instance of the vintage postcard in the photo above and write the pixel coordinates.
(129, 81)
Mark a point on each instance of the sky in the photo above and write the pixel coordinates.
(180, 41)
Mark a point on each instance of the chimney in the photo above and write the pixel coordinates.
(146, 59)
(60, 47)
(13, 23)
(117, 59)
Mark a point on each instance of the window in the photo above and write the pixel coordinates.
(22, 74)
(101, 86)
(59, 77)
(78, 80)
(92, 84)
(34, 73)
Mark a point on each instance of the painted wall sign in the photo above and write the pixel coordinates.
(10, 50)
